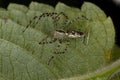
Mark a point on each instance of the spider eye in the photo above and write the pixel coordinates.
(73, 32)
(81, 33)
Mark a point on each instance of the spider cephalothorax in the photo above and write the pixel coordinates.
(75, 34)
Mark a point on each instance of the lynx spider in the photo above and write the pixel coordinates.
(59, 35)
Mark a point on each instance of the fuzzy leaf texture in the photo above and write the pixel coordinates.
(23, 58)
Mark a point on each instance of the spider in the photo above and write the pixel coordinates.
(59, 34)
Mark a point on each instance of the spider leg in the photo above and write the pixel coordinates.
(86, 38)
(55, 16)
(39, 17)
(43, 42)
(76, 19)
(51, 58)
(47, 42)
(59, 52)
(67, 43)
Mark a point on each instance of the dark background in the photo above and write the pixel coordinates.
(109, 7)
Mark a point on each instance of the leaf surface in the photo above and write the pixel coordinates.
(23, 58)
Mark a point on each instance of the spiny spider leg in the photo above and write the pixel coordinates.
(55, 17)
(86, 37)
(51, 58)
(61, 52)
(77, 18)
(47, 42)
(67, 42)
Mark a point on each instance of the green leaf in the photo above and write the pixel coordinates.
(4, 14)
(31, 14)
(17, 61)
(71, 12)
(100, 74)
(18, 16)
(40, 7)
(115, 75)
(13, 6)
(92, 11)
(116, 53)
(16, 64)
(23, 58)
(2, 9)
